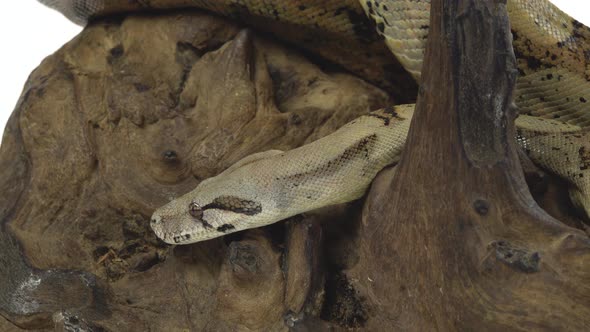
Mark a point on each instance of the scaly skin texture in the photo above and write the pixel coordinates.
(335, 169)
(552, 90)
(271, 186)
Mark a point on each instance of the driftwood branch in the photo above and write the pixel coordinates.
(454, 240)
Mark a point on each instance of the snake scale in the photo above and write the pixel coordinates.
(552, 96)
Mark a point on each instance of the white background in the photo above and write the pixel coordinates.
(29, 32)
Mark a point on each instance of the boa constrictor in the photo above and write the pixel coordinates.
(551, 94)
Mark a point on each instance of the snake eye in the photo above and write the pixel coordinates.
(195, 210)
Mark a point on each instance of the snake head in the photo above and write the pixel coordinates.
(189, 219)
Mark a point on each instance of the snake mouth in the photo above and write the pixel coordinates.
(171, 234)
(172, 238)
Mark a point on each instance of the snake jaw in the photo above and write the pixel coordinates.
(188, 219)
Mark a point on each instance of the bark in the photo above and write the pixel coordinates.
(454, 240)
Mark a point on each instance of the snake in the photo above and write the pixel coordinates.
(552, 96)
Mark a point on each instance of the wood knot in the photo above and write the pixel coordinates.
(517, 258)
(481, 206)
(422, 89)
(295, 119)
(170, 156)
(244, 258)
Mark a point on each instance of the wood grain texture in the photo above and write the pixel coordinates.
(129, 114)
(454, 240)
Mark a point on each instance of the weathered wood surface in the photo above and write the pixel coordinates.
(128, 115)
